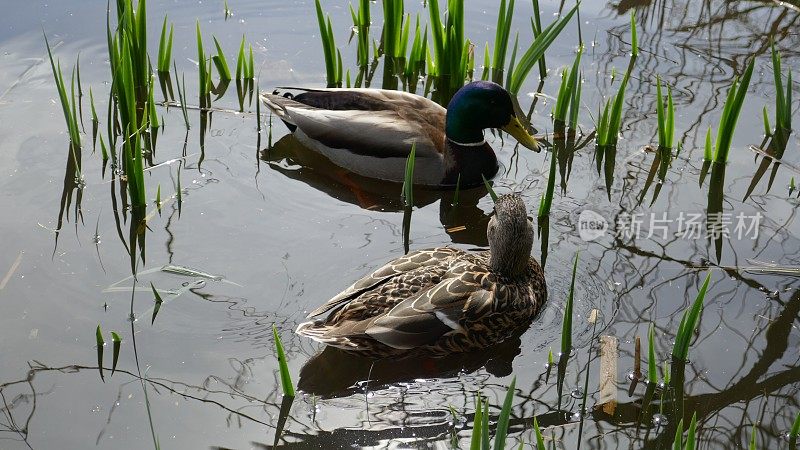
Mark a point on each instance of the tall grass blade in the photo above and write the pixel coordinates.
(730, 114)
(566, 326)
(539, 437)
(634, 38)
(677, 442)
(477, 425)
(537, 49)
(100, 345)
(408, 182)
(221, 62)
(794, 432)
(117, 346)
(489, 188)
(547, 198)
(652, 373)
(505, 415)
(536, 22)
(286, 379)
(502, 34)
(165, 47)
(691, 442)
(680, 349)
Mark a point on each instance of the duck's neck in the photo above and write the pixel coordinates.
(460, 127)
(509, 256)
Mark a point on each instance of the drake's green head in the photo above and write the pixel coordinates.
(480, 105)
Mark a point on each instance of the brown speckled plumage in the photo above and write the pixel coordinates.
(442, 300)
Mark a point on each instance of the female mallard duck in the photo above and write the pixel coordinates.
(443, 300)
(371, 131)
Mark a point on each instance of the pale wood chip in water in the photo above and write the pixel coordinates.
(11, 271)
(608, 374)
(458, 228)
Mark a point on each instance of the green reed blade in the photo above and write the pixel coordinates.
(221, 62)
(158, 198)
(666, 372)
(547, 198)
(201, 64)
(602, 126)
(240, 61)
(503, 419)
(730, 114)
(537, 50)
(251, 66)
(117, 346)
(486, 63)
(153, 115)
(100, 344)
(652, 373)
(536, 24)
(677, 442)
(680, 349)
(327, 44)
(562, 99)
(165, 47)
(780, 99)
(408, 181)
(708, 151)
(489, 188)
(286, 379)
(767, 128)
(69, 117)
(512, 64)
(566, 326)
(634, 38)
(690, 437)
(103, 149)
(662, 121)
(91, 103)
(485, 426)
(550, 360)
(502, 33)
(794, 432)
(753, 438)
(573, 82)
(670, 131)
(575, 103)
(477, 422)
(539, 437)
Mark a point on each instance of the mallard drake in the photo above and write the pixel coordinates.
(371, 131)
(443, 300)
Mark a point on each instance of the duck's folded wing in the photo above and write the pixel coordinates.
(425, 318)
(404, 264)
(381, 133)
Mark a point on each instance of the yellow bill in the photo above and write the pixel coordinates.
(515, 128)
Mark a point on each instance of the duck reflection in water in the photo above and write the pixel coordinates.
(337, 373)
(465, 223)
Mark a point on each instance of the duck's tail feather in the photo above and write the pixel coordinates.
(319, 332)
(277, 104)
